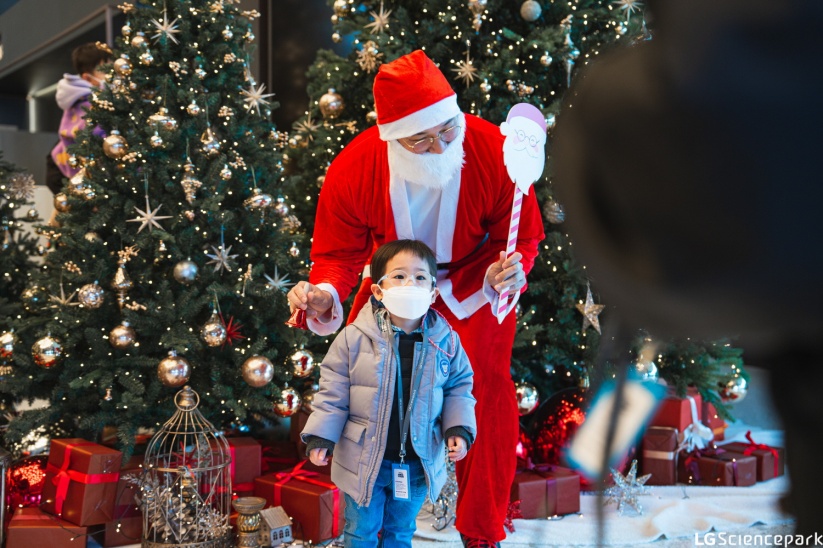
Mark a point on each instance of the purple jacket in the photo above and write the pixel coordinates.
(73, 97)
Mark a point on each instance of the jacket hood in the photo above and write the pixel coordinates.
(436, 326)
(70, 89)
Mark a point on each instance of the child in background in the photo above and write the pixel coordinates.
(395, 399)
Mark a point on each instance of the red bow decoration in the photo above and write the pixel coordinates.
(512, 512)
(755, 446)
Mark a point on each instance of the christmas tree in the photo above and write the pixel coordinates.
(174, 249)
(495, 55)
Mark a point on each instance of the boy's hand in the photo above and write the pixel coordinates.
(457, 448)
(318, 456)
(507, 273)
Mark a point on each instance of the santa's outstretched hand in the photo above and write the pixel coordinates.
(524, 153)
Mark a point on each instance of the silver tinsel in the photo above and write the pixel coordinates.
(627, 488)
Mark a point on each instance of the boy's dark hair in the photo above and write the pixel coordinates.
(87, 57)
(390, 249)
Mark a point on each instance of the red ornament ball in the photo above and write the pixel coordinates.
(556, 422)
(25, 479)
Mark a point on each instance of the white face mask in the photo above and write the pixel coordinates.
(407, 301)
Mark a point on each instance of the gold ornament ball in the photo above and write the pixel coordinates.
(77, 182)
(146, 58)
(122, 66)
(162, 119)
(530, 10)
(546, 60)
(334, 19)
(122, 336)
(47, 352)
(32, 297)
(125, 30)
(249, 37)
(114, 145)
(341, 8)
(287, 402)
(485, 87)
(257, 371)
(331, 104)
(139, 40)
(371, 117)
(335, 37)
(282, 208)
(554, 212)
(294, 251)
(200, 73)
(258, 200)
(225, 173)
(213, 332)
(227, 33)
(89, 193)
(7, 341)
(92, 237)
(193, 109)
(527, 398)
(477, 7)
(302, 363)
(155, 140)
(91, 295)
(308, 397)
(32, 214)
(211, 146)
(733, 390)
(174, 370)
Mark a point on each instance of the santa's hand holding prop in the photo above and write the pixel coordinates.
(524, 155)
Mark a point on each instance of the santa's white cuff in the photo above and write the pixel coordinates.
(334, 318)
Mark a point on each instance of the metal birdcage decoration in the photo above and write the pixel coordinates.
(186, 486)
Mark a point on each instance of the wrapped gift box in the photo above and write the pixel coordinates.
(123, 531)
(31, 527)
(718, 469)
(659, 455)
(676, 412)
(127, 525)
(545, 491)
(711, 419)
(81, 481)
(314, 503)
(246, 462)
(771, 461)
(278, 455)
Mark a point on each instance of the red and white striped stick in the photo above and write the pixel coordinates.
(514, 226)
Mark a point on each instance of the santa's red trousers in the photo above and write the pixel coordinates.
(485, 476)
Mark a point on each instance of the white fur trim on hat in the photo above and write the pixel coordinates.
(425, 118)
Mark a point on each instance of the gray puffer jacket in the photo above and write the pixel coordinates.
(357, 387)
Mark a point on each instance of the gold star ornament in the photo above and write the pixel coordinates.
(590, 311)
(381, 20)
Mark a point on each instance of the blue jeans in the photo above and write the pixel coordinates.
(395, 518)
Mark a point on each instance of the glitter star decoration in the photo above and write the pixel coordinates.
(278, 282)
(381, 20)
(627, 488)
(221, 257)
(307, 127)
(62, 300)
(166, 29)
(233, 328)
(21, 187)
(590, 311)
(255, 97)
(629, 6)
(466, 70)
(148, 217)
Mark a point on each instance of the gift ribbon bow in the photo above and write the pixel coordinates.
(304, 475)
(756, 446)
(63, 476)
(512, 512)
(696, 435)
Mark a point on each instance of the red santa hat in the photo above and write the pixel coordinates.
(412, 95)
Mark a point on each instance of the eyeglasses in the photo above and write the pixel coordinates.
(521, 135)
(419, 146)
(397, 278)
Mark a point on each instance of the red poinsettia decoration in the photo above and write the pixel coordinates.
(233, 328)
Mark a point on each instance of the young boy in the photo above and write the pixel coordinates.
(394, 386)
(73, 92)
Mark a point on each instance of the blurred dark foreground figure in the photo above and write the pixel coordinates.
(691, 167)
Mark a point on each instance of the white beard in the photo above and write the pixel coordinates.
(428, 170)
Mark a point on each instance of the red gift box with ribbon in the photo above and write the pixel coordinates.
(298, 422)
(314, 503)
(278, 455)
(717, 467)
(246, 462)
(81, 481)
(676, 412)
(771, 461)
(31, 527)
(659, 455)
(545, 490)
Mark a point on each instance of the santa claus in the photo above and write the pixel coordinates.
(429, 172)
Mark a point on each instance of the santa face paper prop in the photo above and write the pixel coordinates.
(524, 151)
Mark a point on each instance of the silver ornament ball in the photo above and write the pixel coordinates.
(91, 295)
(213, 332)
(193, 109)
(185, 272)
(122, 336)
(733, 390)
(301, 363)
(287, 402)
(530, 10)
(7, 341)
(527, 398)
(257, 371)
(47, 352)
